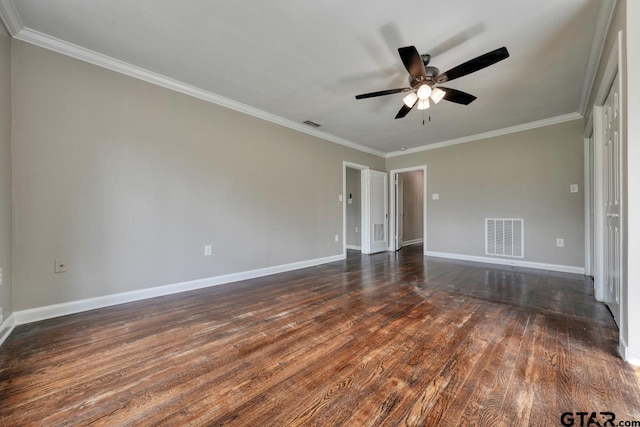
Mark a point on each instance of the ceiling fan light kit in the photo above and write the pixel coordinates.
(437, 94)
(424, 91)
(423, 104)
(424, 80)
(410, 100)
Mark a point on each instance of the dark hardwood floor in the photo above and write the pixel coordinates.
(388, 339)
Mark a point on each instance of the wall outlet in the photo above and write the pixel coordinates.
(435, 196)
(208, 250)
(560, 243)
(1, 279)
(573, 188)
(60, 266)
(339, 197)
(337, 238)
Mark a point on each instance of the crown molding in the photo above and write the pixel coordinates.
(605, 17)
(69, 49)
(505, 131)
(10, 17)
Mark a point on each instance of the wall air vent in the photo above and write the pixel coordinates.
(378, 232)
(504, 237)
(312, 124)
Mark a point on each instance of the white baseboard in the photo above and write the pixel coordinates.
(47, 312)
(628, 355)
(6, 328)
(510, 262)
(412, 242)
(354, 247)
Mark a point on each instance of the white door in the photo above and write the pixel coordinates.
(399, 210)
(612, 200)
(376, 212)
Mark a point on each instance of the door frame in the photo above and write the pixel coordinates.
(363, 216)
(589, 200)
(392, 198)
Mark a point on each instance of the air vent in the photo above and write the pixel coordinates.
(378, 232)
(312, 124)
(504, 237)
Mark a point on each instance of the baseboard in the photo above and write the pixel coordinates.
(47, 312)
(412, 242)
(628, 355)
(354, 247)
(510, 262)
(6, 328)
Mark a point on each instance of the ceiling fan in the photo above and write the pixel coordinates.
(425, 80)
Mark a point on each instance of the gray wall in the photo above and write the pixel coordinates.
(5, 171)
(128, 181)
(413, 205)
(353, 209)
(521, 175)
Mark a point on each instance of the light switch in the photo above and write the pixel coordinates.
(435, 196)
(339, 197)
(573, 188)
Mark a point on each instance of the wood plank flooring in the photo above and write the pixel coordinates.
(388, 339)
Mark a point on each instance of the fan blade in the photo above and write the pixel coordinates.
(474, 65)
(403, 111)
(382, 93)
(412, 61)
(457, 96)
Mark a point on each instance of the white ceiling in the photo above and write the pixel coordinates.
(304, 60)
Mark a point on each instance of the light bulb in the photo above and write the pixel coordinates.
(437, 95)
(410, 100)
(424, 91)
(423, 104)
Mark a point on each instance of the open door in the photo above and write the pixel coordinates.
(376, 215)
(399, 210)
(612, 200)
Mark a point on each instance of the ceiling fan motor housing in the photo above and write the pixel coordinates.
(429, 78)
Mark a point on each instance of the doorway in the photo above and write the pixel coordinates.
(353, 196)
(408, 225)
(373, 196)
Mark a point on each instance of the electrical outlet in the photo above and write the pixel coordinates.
(560, 243)
(339, 197)
(573, 188)
(208, 251)
(435, 196)
(337, 238)
(60, 266)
